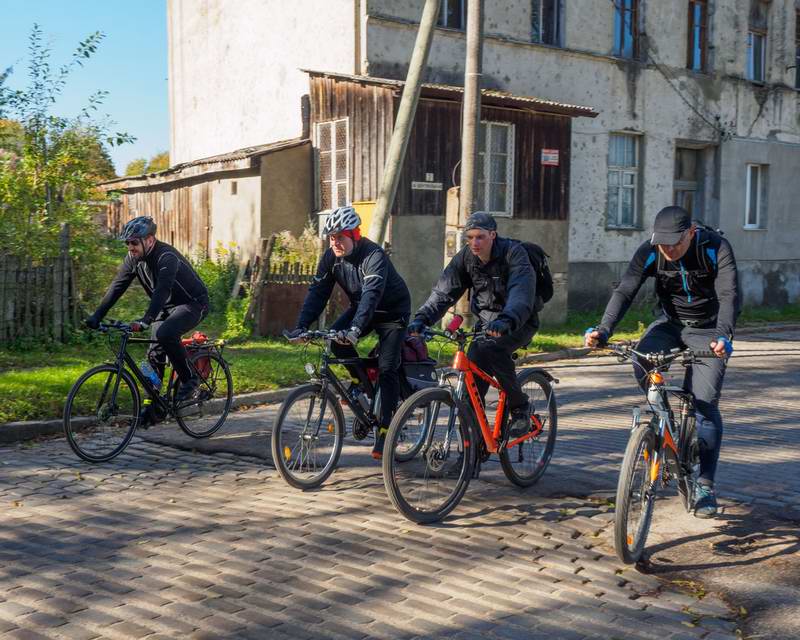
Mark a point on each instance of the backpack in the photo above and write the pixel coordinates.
(544, 279)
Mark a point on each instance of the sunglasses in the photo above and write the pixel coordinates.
(132, 243)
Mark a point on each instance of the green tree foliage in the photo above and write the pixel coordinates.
(48, 178)
(158, 162)
(136, 167)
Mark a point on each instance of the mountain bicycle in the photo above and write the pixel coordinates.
(309, 429)
(660, 449)
(439, 437)
(102, 410)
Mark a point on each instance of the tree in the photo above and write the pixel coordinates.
(136, 167)
(50, 178)
(158, 162)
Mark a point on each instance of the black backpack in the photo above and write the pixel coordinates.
(544, 279)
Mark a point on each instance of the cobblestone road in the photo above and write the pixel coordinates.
(170, 543)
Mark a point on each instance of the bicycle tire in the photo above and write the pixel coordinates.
(514, 460)
(634, 488)
(208, 403)
(430, 462)
(289, 465)
(94, 434)
(689, 457)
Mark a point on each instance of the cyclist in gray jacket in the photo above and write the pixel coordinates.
(698, 296)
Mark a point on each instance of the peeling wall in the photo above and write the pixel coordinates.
(637, 98)
(234, 217)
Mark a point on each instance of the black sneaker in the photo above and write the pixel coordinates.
(519, 423)
(187, 389)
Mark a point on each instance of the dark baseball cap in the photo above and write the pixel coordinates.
(480, 220)
(670, 224)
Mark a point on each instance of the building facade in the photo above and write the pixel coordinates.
(697, 100)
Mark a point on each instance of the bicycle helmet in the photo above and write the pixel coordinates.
(138, 228)
(341, 219)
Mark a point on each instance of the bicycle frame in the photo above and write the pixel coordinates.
(492, 437)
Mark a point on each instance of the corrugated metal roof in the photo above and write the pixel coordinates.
(490, 96)
(231, 161)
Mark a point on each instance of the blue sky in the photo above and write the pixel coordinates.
(130, 63)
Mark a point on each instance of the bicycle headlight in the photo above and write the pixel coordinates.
(309, 368)
(656, 377)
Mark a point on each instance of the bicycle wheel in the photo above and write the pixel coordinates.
(101, 413)
(689, 462)
(207, 413)
(426, 482)
(635, 496)
(525, 463)
(307, 436)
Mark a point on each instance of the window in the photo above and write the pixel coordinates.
(496, 168)
(687, 180)
(546, 17)
(626, 33)
(698, 35)
(234, 187)
(332, 163)
(623, 180)
(453, 14)
(754, 196)
(756, 55)
(797, 50)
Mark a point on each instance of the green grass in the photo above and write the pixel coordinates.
(35, 378)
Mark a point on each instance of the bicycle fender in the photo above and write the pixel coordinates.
(546, 374)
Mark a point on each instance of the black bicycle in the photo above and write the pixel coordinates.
(103, 407)
(661, 448)
(309, 429)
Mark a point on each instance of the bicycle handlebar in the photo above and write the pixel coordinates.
(686, 356)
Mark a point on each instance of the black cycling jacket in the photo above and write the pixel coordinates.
(166, 276)
(369, 280)
(504, 287)
(700, 289)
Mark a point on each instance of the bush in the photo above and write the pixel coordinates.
(304, 250)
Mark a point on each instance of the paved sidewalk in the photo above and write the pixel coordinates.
(170, 543)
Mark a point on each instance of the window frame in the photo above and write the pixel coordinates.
(441, 21)
(484, 187)
(694, 28)
(633, 170)
(620, 9)
(557, 29)
(335, 184)
(752, 33)
(757, 226)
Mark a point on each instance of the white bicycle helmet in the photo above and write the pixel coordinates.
(341, 219)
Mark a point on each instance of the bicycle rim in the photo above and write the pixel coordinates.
(206, 414)
(428, 456)
(101, 413)
(307, 437)
(525, 463)
(635, 496)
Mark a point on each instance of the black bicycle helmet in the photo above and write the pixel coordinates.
(138, 228)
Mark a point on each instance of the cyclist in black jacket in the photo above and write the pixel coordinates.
(503, 284)
(379, 301)
(698, 295)
(178, 298)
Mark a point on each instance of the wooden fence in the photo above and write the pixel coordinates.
(37, 300)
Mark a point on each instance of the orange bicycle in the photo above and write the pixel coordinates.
(440, 436)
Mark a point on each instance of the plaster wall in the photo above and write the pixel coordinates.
(234, 216)
(234, 68)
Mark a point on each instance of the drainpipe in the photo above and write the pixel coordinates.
(404, 121)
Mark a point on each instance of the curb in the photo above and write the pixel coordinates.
(12, 432)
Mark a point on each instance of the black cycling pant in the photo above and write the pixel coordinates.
(390, 344)
(704, 379)
(493, 355)
(168, 329)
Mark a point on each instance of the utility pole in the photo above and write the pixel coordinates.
(473, 72)
(404, 121)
